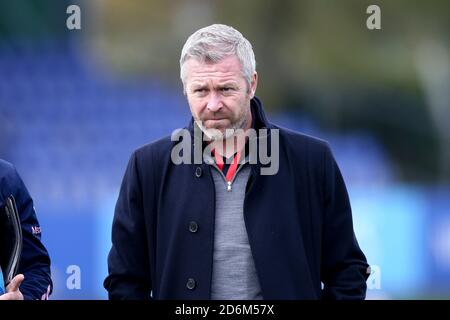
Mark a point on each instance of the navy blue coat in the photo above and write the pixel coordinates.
(34, 262)
(299, 225)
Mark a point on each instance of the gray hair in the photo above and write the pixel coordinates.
(216, 42)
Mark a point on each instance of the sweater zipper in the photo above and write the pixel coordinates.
(229, 183)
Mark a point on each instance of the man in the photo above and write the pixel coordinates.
(223, 228)
(33, 281)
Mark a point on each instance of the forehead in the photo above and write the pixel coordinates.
(228, 68)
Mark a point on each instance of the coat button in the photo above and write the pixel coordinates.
(198, 172)
(190, 284)
(193, 226)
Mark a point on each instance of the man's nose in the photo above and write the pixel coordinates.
(214, 102)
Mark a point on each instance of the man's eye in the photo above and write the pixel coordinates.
(225, 89)
(199, 90)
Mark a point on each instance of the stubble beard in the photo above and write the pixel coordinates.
(213, 134)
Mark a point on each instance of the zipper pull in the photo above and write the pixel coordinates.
(229, 186)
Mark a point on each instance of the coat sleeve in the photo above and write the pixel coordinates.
(128, 261)
(35, 261)
(344, 266)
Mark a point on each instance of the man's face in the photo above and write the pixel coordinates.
(218, 96)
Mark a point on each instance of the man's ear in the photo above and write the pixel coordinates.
(253, 85)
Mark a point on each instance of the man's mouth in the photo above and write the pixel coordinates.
(216, 120)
